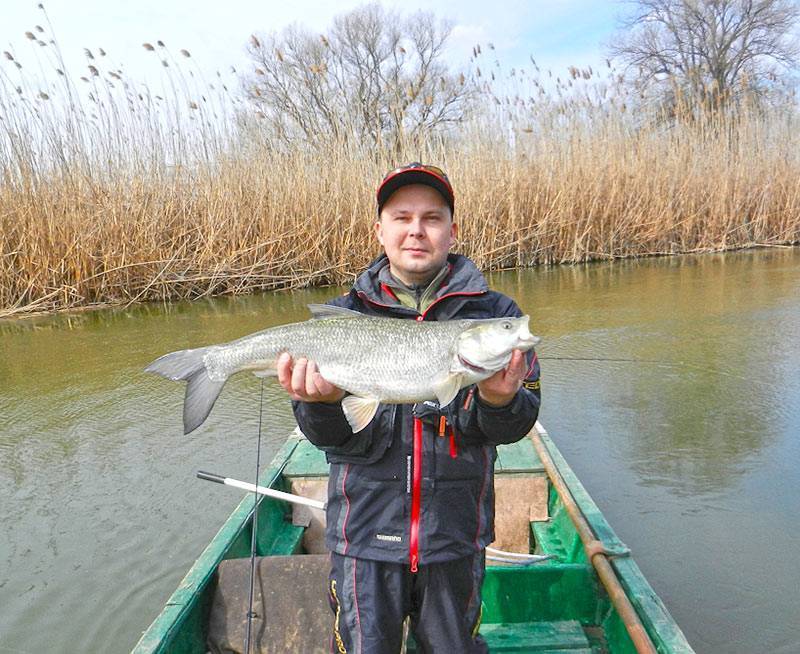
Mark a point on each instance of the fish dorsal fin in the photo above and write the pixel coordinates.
(447, 388)
(359, 411)
(327, 311)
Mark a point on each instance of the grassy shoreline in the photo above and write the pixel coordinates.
(288, 221)
(125, 198)
(37, 311)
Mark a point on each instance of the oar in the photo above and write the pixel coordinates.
(261, 490)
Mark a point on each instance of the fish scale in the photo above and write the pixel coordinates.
(381, 357)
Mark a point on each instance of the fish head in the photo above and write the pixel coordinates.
(486, 345)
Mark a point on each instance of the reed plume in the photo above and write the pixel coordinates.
(122, 193)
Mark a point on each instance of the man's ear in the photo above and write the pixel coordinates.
(453, 233)
(379, 231)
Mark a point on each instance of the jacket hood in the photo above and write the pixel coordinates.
(464, 277)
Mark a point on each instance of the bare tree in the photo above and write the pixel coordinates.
(375, 75)
(707, 53)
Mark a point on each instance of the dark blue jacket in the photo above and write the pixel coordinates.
(417, 484)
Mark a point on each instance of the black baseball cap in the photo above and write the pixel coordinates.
(416, 173)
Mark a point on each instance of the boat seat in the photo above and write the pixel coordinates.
(558, 637)
(290, 602)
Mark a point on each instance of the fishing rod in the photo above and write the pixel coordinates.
(261, 490)
(546, 358)
(658, 362)
(254, 531)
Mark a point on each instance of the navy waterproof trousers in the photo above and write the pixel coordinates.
(371, 599)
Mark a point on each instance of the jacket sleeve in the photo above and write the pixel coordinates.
(323, 423)
(480, 423)
(326, 427)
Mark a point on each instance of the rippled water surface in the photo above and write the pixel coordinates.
(686, 432)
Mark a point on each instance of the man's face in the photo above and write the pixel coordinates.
(416, 230)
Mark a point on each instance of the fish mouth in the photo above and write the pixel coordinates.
(471, 366)
(527, 343)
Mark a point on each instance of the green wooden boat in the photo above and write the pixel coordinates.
(589, 597)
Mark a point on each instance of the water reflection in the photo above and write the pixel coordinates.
(703, 385)
(72, 379)
(682, 423)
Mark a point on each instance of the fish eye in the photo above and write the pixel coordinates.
(507, 325)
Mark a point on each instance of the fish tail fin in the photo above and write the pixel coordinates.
(201, 390)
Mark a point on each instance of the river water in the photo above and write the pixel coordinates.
(686, 433)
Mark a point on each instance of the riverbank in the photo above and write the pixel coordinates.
(150, 209)
(42, 309)
(253, 225)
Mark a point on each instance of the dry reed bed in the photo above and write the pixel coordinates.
(282, 221)
(91, 214)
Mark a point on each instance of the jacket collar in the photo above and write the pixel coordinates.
(463, 278)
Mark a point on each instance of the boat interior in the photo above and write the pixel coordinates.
(554, 605)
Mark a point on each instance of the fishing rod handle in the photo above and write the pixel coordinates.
(210, 476)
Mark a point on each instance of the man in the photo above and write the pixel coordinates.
(411, 498)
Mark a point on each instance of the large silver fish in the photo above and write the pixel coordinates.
(375, 359)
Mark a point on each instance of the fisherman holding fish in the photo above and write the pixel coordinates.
(411, 498)
(410, 507)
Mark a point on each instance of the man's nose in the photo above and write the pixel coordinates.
(415, 227)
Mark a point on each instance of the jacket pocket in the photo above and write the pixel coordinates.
(452, 514)
(368, 446)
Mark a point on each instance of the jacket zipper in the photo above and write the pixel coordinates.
(416, 494)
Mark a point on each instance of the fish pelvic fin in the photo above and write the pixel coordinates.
(201, 390)
(447, 388)
(265, 374)
(359, 411)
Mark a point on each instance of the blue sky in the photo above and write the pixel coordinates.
(557, 33)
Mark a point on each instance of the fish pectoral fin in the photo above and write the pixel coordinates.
(447, 388)
(261, 368)
(329, 311)
(359, 411)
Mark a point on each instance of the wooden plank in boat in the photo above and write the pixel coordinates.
(290, 603)
(518, 457)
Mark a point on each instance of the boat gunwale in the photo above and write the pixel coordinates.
(661, 627)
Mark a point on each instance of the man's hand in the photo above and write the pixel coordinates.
(499, 389)
(303, 382)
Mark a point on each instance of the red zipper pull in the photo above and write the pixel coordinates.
(453, 445)
(414, 561)
(442, 425)
(468, 400)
